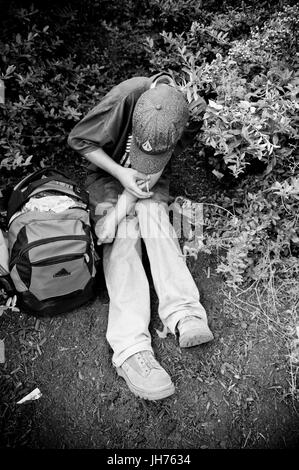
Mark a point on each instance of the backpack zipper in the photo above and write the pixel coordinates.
(14, 216)
(60, 259)
(44, 242)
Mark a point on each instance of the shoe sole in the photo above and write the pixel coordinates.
(195, 338)
(158, 395)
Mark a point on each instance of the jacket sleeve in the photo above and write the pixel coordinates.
(100, 127)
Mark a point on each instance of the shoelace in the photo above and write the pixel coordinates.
(147, 360)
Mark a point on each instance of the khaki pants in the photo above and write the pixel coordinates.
(126, 280)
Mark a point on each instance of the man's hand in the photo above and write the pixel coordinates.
(130, 179)
(105, 228)
(133, 181)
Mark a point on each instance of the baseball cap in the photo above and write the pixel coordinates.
(159, 119)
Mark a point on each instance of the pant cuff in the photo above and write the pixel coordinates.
(172, 320)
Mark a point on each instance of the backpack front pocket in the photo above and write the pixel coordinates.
(57, 277)
(54, 266)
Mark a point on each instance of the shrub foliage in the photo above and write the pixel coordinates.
(244, 90)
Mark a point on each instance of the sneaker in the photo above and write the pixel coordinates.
(145, 377)
(193, 331)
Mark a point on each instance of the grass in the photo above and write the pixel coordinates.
(275, 306)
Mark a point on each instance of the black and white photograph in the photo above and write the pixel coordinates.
(149, 228)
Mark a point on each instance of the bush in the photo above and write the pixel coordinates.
(52, 79)
(244, 91)
(42, 98)
(253, 114)
(261, 230)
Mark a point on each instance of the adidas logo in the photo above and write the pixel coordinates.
(63, 272)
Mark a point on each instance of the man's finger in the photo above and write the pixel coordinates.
(137, 192)
(140, 194)
(142, 176)
(143, 195)
(145, 187)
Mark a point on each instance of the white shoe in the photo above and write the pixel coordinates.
(145, 377)
(193, 331)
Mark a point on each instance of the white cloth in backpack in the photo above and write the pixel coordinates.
(4, 255)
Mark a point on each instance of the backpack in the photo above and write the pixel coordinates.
(51, 254)
(5, 280)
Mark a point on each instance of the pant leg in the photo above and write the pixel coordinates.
(127, 284)
(177, 292)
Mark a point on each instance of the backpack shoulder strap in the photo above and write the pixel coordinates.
(37, 175)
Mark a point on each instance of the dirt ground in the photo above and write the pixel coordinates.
(232, 393)
(229, 393)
